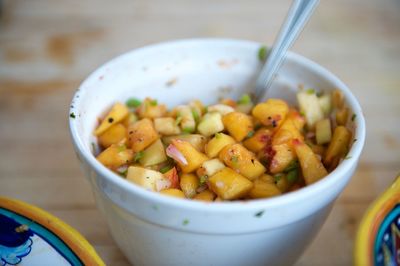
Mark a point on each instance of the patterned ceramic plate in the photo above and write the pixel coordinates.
(31, 236)
(378, 237)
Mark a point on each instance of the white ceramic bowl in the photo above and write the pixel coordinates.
(152, 229)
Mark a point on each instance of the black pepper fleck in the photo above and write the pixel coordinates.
(110, 120)
(72, 115)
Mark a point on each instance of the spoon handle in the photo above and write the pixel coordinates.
(298, 15)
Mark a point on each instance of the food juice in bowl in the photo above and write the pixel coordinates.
(149, 227)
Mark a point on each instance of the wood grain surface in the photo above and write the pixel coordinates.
(48, 47)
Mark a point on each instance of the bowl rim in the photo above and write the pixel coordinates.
(235, 206)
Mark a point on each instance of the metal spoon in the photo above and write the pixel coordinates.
(298, 15)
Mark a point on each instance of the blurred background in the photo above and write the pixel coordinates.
(48, 47)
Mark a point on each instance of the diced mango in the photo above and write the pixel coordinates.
(283, 156)
(154, 154)
(217, 143)
(338, 146)
(238, 124)
(342, 115)
(173, 192)
(206, 195)
(189, 183)
(262, 189)
(259, 140)
(117, 113)
(229, 185)
(337, 99)
(115, 134)
(242, 160)
(192, 158)
(311, 167)
(272, 112)
(173, 177)
(115, 156)
(286, 132)
(142, 134)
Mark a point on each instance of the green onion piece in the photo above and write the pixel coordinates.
(178, 120)
(121, 148)
(72, 115)
(292, 175)
(250, 134)
(292, 166)
(187, 130)
(196, 115)
(203, 179)
(138, 156)
(165, 169)
(245, 99)
(310, 91)
(153, 102)
(353, 117)
(277, 177)
(218, 135)
(263, 53)
(133, 103)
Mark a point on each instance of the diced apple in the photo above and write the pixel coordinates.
(210, 124)
(325, 101)
(166, 126)
(210, 167)
(184, 116)
(323, 131)
(309, 105)
(148, 179)
(154, 154)
(222, 109)
(198, 141)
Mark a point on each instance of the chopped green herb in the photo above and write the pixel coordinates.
(353, 117)
(218, 135)
(310, 91)
(259, 214)
(250, 134)
(187, 130)
(278, 177)
(263, 53)
(292, 175)
(302, 113)
(165, 169)
(124, 173)
(203, 179)
(185, 222)
(72, 115)
(292, 166)
(347, 157)
(354, 140)
(138, 156)
(245, 99)
(153, 102)
(121, 148)
(196, 115)
(319, 93)
(178, 120)
(133, 103)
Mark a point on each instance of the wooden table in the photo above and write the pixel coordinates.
(48, 47)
